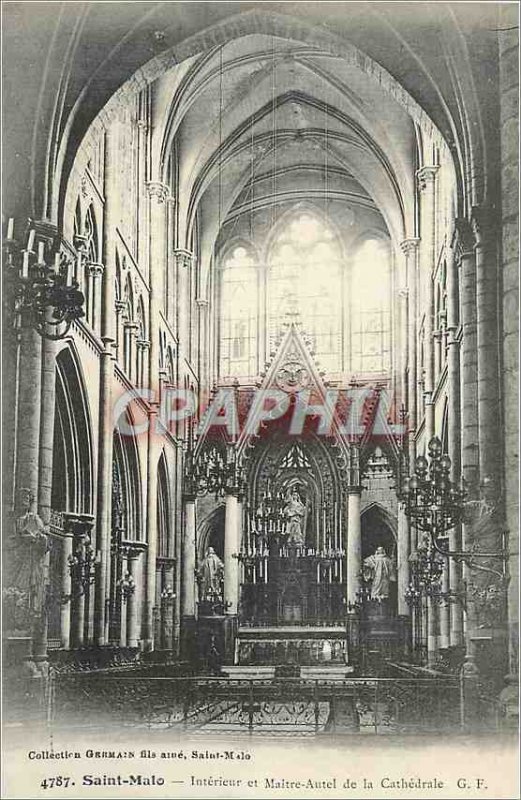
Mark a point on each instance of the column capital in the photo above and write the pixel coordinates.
(80, 242)
(463, 239)
(95, 269)
(142, 124)
(158, 190)
(482, 221)
(202, 302)
(426, 176)
(120, 306)
(183, 258)
(409, 245)
(144, 344)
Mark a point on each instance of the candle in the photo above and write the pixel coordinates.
(30, 241)
(41, 249)
(57, 262)
(25, 265)
(10, 228)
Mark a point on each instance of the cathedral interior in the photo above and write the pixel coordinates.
(261, 342)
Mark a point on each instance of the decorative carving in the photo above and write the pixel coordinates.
(426, 177)
(183, 258)
(293, 375)
(409, 246)
(158, 190)
(25, 586)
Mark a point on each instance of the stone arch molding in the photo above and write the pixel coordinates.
(240, 25)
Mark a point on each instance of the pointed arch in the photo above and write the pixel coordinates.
(72, 482)
(127, 483)
(164, 522)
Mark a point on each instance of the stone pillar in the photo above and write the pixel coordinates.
(183, 261)
(202, 367)
(487, 344)
(454, 424)
(403, 561)
(95, 276)
(150, 590)
(232, 545)
(354, 543)
(66, 599)
(445, 610)
(106, 423)
(469, 366)
(29, 409)
(143, 227)
(427, 186)
(188, 597)
(508, 41)
(124, 599)
(410, 249)
(134, 556)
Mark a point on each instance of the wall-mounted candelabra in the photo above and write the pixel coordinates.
(127, 586)
(82, 565)
(40, 289)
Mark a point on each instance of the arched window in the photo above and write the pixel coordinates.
(239, 291)
(370, 308)
(304, 280)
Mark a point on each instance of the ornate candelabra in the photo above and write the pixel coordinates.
(40, 289)
(213, 470)
(127, 586)
(82, 566)
(436, 504)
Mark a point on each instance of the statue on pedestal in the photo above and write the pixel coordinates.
(25, 583)
(380, 570)
(211, 574)
(295, 513)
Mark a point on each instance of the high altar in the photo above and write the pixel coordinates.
(294, 524)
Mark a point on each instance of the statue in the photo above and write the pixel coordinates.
(295, 512)
(210, 576)
(380, 570)
(27, 546)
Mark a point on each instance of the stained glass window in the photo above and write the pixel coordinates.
(304, 283)
(239, 292)
(370, 308)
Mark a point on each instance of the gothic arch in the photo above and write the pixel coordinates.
(127, 481)
(72, 484)
(164, 523)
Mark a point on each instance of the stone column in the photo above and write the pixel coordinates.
(354, 543)
(427, 186)
(410, 249)
(508, 41)
(487, 344)
(403, 561)
(469, 366)
(29, 410)
(454, 420)
(432, 631)
(95, 276)
(232, 545)
(150, 591)
(202, 367)
(445, 610)
(66, 599)
(188, 596)
(106, 423)
(124, 599)
(183, 262)
(134, 557)
(188, 649)
(143, 227)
